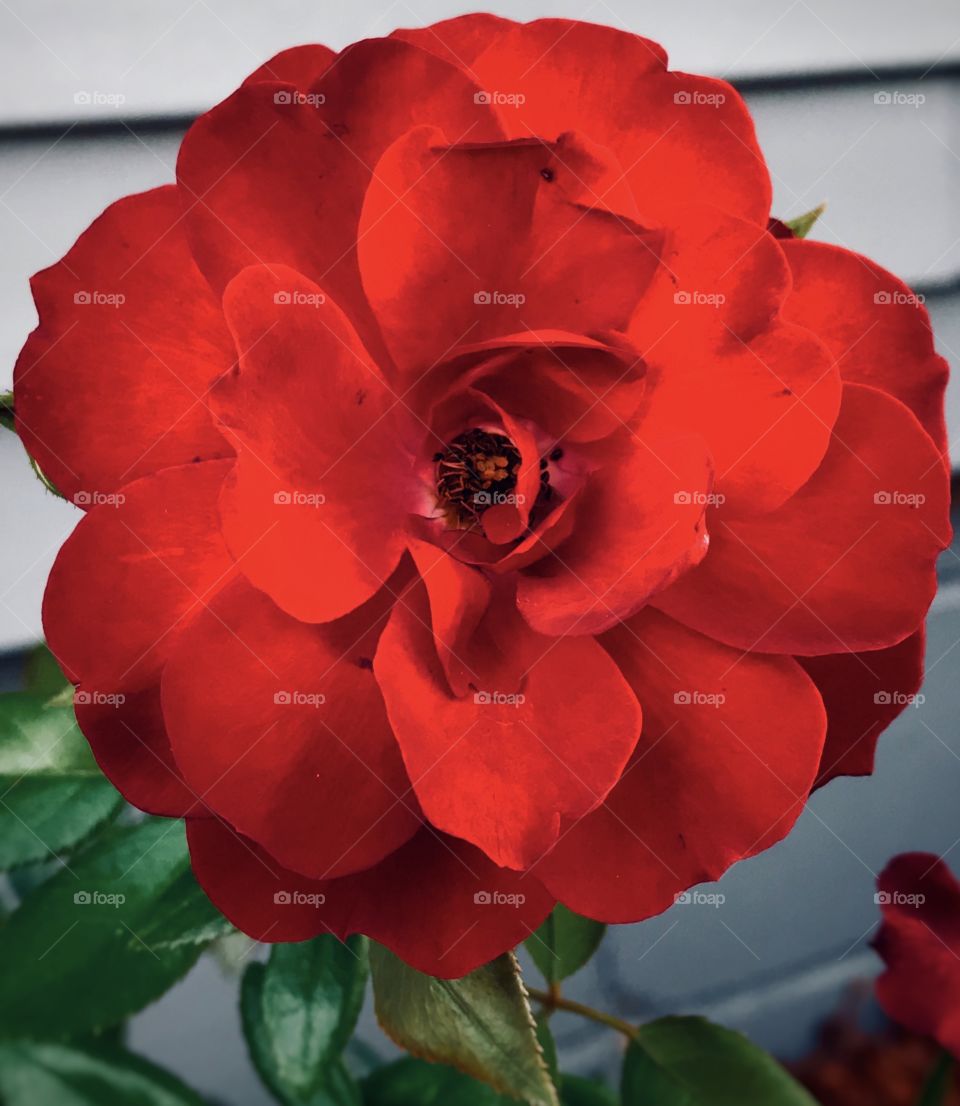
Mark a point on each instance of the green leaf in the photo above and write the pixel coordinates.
(692, 1062)
(548, 1046)
(480, 1024)
(38, 1074)
(102, 939)
(42, 674)
(936, 1089)
(564, 943)
(803, 224)
(52, 794)
(410, 1082)
(6, 410)
(575, 1091)
(299, 1011)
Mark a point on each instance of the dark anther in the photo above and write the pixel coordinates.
(556, 454)
(477, 470)
(547, 174)
(364, 662)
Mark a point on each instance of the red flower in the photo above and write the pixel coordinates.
(919, 943)
(433, 377)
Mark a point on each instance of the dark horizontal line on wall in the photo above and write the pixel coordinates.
(775, 82)
(861, 76)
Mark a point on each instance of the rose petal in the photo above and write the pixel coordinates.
(874, 325)
(544, 737)
(112, 384)
(526, 258)
(137, 569)
(639, 526)
(279, 726)
(299, 65)
(919, 943)
(730, 746)
(240, 152)
(863, 693)
(129, 740)
(322, 476)
(848, 563)
(678, 137)
(476, 910)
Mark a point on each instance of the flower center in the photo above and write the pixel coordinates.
(476, 471)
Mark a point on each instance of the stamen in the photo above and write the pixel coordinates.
(477, 470)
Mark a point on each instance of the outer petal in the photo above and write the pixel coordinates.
(722, 362)
(129, 740)
(876, 328)
(458, 40)
(920, 945)
(301, 66)
(525, 259)
(679, 137)
(639, 526)
(730, 746)
(545, 739)
(112, 384)
(322, 474)
(280, 727)
(240, 152)
(848, 563)
(863, 693)
(136, 570)
(476, 910)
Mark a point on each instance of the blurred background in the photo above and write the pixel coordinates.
(857, 103)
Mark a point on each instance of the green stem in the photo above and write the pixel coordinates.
(553, 1001)
(938, 1083)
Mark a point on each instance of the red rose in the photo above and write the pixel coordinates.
(919, 942)
(434, 377)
